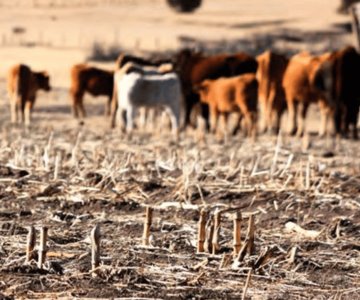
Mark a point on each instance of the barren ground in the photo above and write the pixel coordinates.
(104, 178)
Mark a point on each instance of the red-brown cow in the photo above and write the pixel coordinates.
(272, 103)
(300, 87)
(22, 85)
(92, 80)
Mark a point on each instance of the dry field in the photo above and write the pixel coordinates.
(70, 177)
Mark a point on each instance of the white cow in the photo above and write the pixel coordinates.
(137, 87)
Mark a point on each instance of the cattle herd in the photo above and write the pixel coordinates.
(211, 87)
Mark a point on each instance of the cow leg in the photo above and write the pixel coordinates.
(205, 111)
(224, 124)
(165, 120)
(263, 117)
(174, 113)
(108, 107)
(354, 128)
(82, 109)
(76, 99)
(269, 118)
(270, 111)
(237, 124)
(354, 131)
(75, 111)
(292, 108)
(27, 112)
(152, 113)
(192, 101)
(130, 116)
(14, 111)
(143, 117)
(303, 111)
(253, 125)
(276, 121)
(121, 114)
(352, 114)
(324, 116)
(22, 111)
(188, 111)
(214, 116)
(174, 119)
(248, 124)
(113, 108)
(338, 120)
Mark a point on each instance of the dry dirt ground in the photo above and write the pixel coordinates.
(70, 177)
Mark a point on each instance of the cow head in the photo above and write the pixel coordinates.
(184, 60)
(43, 80)
(203, 90)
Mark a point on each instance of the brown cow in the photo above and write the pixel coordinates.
(22, 85)
(193, 68)
(226, 95)
(272, 103)
(95, 81)
(343, 67)
(300, 89)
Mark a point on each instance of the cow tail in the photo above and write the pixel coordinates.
(264, 69)
(114, 104)
(268, 68)
(17, 88)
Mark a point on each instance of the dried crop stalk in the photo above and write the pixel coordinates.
(30, 244)
(237, 233)
(42, 248)
(147, 225)
(57, 166)
(251, 235)
(95, 247)
(209, 236)
(242, 251)
(247, 283)
(248, 246)
(201, 231)
(216, 235)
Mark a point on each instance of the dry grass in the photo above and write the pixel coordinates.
(306, 209)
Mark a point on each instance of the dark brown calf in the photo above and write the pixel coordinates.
(344, 68)
(95, 81)
(193, 68)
